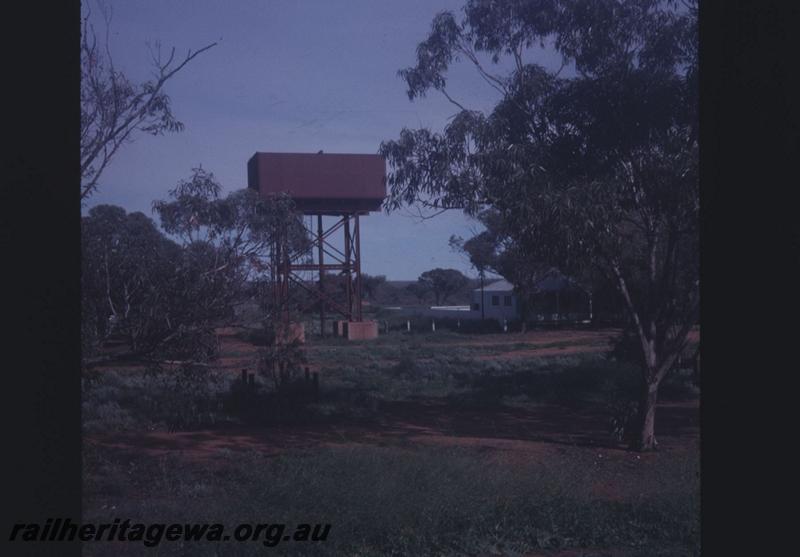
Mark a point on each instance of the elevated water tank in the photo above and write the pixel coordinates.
(321, 182)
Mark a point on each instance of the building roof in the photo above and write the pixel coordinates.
(497, 286)
(552, 281)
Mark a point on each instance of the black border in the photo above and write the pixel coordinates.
(749, 152)
(41, 272)
(749, 149)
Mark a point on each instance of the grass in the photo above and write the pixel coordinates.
(400, 501)
(359, 383)
(405, 499)
(577, 380)
(441, 352)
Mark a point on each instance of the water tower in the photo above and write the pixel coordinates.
(341, 186)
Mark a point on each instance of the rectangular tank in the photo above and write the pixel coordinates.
(321, 183)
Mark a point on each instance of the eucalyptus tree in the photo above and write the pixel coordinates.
(128, 266)
(443, 283)
(114, 109)
(232, 239)
(590, 166)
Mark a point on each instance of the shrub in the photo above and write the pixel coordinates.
(186, 397)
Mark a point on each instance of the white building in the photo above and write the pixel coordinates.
(499, 301)
(557, 298)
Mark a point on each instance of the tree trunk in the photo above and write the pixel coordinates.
(483, 310)
(645, 440)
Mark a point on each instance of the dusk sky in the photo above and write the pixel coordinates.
(289, 76)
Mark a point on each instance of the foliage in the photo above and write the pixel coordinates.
(143, 288)
(233, 239)
(164, 299)
(480, 249)
(113, 109)
(126, 261)
(420, 290)
(281, 362)
(595, 169)
(241, 226)
(442, 283)
(371, 285)
(169, 398)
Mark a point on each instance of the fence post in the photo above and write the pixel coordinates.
(433, 325)
(408, 325)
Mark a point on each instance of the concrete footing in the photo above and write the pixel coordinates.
(361, 330)
(338, 328)
(356, 330)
